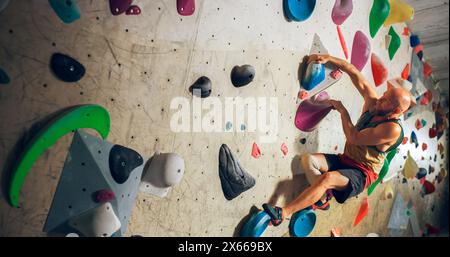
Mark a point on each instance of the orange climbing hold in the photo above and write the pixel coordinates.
(405, 72)
(362, 212)
(303, 94)
(418, 48)
(256, 152)
(405, 140)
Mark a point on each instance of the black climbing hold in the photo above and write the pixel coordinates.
(66, 68)
(122, 161)
(303, 141)
(404, 181)
(202, 84)
(4, 78)
(242, 75)
(233, 178)
(422, 173)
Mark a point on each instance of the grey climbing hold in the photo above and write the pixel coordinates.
(66, 68)
(242, 75)
(202, 87)
(228, 126)
(4, 78)
(122, 161)
(233, 178)
(243, 127)
(97, 222)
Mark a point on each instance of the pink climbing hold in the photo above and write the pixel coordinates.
(342, 40)
(311, 111)
(185, 7)
(104, 195)
(256, 152)
(336, 74)
(379, 71)
(362, 212)
(360, 50)
(422, 180)
(133, 10)
(118, 7)
(341, 11)
(284, 148)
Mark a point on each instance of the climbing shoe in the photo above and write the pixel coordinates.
(324, 203)
(275, 214)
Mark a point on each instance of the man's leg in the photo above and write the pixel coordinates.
(313, 165)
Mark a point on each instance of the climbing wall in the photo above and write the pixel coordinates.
(135, 66)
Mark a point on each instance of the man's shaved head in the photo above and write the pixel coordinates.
(396, 100)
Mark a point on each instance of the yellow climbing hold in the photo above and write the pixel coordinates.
(400, 12)
(388, 192)
(410, 169)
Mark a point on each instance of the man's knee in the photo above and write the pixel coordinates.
(310, 166)
(331, 180)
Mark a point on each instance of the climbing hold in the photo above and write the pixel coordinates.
(400, 12)
(242, 75)
(410, 170)
(67, 10)
(66, 68)
(405, 31)
(284, 148)
(133, 10)
(384, 170)
(342, 41)
(418, 48)
(420, 55)
(414, 40)
(423, 122)
(360, 50)
(84, 116)
(336, 74)
(228, 125)
(310, 112)
(303, 94)
(243, 127)
(430, 169)
(428, 187)
(441, 148)
(336, 232)
(388, 192)
(404, 181)
(122, 161)
(341, 11)
(362, 212)
(432, 133)
(431, 230)
(303, 141)
(202, 87)
(164, 171)
(302, 223)
(314, 75)
(97, 222)
(405, 72)
(296, 10)
(395, 43)
(256, 225)
(405, 140)
(427, 70)
(421, 173)
(378, 15)
(185, 7)
(233, 178)
(256, 152)
(118, 7)
(442, 174)
(104, 195)
(3, 4)
(373, 235)
(379, 71)
(424, 146)
(4, 78)
(418, 124)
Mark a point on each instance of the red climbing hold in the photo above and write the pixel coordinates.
(303, 94)
(342, 40)
(422, 180)
(428, 187)
(405, 31)
(284, 148)
(418, 124)
(405, 72)
(418, 48)
(255, 151)
(133, 10)
(104, 195)
(379, 71)
(424, 147)
(405, 140)
(432, 133)
(431, 230)
(362, 212)
(427, 70)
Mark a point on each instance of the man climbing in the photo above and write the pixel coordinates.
(375, 134)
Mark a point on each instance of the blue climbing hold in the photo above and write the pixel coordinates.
(314, 75)
(243, 127)
(67, 10)
(414, 40)
(302, 223)
(228, 126)
(298, 10)
(256, 225)
(4, 78)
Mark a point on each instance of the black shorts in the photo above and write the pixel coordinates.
(357, 179)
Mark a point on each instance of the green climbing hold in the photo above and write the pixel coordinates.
(378, 15)
(383, 172)
(84, 116)
(395, 43)
(4, 78)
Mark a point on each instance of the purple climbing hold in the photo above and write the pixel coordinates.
(104, 195)
(360, 50)
(311, 111)
(341, 11)
(133, 10)
(185, 7)
(118, 7)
